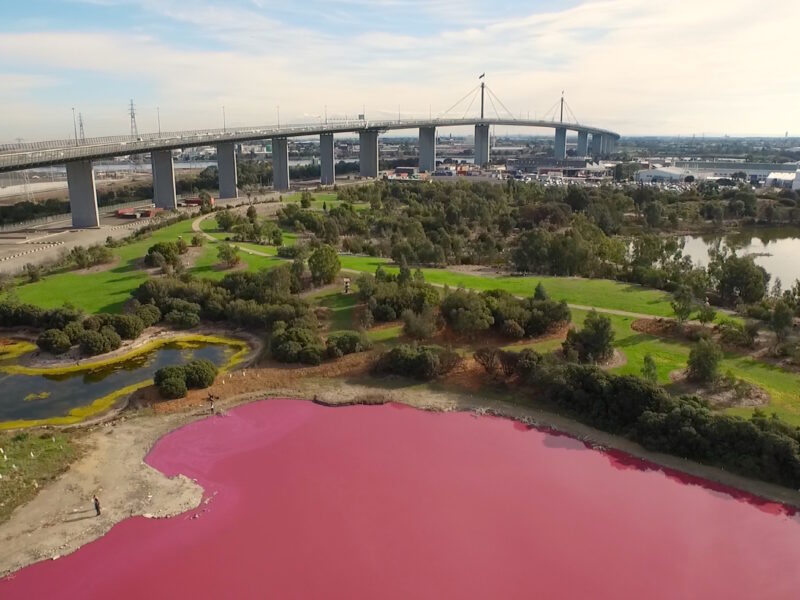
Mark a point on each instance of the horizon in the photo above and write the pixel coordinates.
(677, 70)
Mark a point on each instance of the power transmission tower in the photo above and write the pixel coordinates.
(134, 128)
(81, 132)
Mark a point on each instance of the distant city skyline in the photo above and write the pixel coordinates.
(633, 66)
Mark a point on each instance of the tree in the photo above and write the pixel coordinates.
(466, 313)
(781, 319)
(652, 213)
(740, 279)
(540, 293)
(649, 369)
(305, 199)
(324, 265)
(488, 358)
(595, 342)
(199, 374)
(172, 388)
(252, 214)
(706, 314)
(198, 240)
(32, 272)
(704, 358)
(229, 255)
(682, 304)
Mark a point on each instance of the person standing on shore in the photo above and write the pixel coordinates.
(96, 505)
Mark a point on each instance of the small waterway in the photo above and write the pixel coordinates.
(777, 249)
(38, 397)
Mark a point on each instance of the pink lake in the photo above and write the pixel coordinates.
(391, 502)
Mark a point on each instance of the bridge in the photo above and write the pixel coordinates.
(78, 155)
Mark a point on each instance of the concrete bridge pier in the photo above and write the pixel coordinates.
(82, 194)
(228, 177)
(597, 144)
(481, 145)
(611, 146)
(327, 164)
(368, 153)
(583, 143)
(280, 164)
(427, 149)
(560, 149)
(164, 195)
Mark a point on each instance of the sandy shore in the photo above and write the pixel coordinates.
(60, 519)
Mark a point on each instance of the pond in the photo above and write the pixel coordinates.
(307, 501)
(68, 395)
(777, 249)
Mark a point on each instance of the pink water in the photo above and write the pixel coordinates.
(392, 502)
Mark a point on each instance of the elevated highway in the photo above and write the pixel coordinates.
(78, 155)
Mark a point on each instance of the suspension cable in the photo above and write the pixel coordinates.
(472, 91)
(496, 97)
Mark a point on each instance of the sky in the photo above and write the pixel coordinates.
(638, 67)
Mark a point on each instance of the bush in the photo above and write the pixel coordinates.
(129, 327)
(170, 372)
(420, 326)
(148, 314)
(421, 362)
(111, 339)
(74, 330)
(200, 374)
(512, 330)
(228, 255)
(198, 240)
(488, 358)
(346, 342)
(296, 344)
(181, 319)
(92, 343)
(738, 334)
(595, 342)
(466, 313)
(54, 341)
(172, 388)
(704, 358)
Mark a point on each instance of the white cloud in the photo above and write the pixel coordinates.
(636, 66)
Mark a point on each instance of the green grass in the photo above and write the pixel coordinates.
(601, 293)
(105, 291)
(52, 454)
(341, 307)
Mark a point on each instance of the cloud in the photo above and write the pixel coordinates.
(636, 66)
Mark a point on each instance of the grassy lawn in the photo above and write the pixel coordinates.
(52, 454)
(341, 307)
(104, 291)
(602, 293)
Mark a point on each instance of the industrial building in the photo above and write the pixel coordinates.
(663, 175)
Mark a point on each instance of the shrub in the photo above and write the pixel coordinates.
(738, 334)
(74, 330)
(54, 341)
(421, 362)
(228, 255)
(129, 327)
(595, 342)
(466, 313)
(296, 344)
(200, 374)
(420, 326)
(92, 343)
(508, 362)
(181, 319)
(649, 369)
(384, 312)
(172, 388)
(111, 338)
(704, 358)
(512, 330)
(169, 372)
(148, 314)
(346, 342)
(198, 240)
(488, 359)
